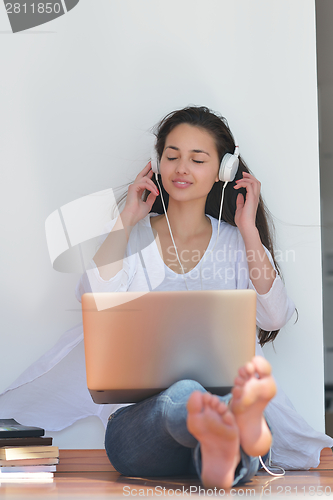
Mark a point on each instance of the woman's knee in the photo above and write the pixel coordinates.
(183, 389)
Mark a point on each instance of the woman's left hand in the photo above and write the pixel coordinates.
(245, 215)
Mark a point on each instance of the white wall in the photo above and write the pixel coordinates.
(324, 14)
(78, 96)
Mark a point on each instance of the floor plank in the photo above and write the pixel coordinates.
(97, 460)
(326, 459)
(84, 461)
(99, 485)
(69, 483)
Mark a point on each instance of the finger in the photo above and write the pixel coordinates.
(250, 178)
(247, 180)
(242, 183)
(248, 184)
(145, 183)
(252, 197)
(246, 175)
(240, 201)
(152, 187)
(144, 171)
(150, 200)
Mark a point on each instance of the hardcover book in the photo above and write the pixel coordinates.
(17, 453)
(9, 428)
(25, 441)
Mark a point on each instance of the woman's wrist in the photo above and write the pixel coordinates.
(128, 219)
(249, 234)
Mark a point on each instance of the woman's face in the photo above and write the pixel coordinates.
(189, 164)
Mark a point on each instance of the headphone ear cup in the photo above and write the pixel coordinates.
(228, 167)
(154, 162)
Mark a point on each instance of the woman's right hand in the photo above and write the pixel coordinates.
(135, 208)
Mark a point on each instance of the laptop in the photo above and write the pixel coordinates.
(138, 344)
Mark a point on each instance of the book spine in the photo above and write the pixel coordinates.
(27, 468)
(26, 475)
(31, 452)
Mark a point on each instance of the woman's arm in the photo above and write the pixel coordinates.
(94, 280)
(262, 273)
(110, 271)
(109, 257)
(274, 307)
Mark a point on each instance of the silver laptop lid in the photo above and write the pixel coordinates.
(138, 348)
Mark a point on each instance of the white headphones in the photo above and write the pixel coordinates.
(228, 165)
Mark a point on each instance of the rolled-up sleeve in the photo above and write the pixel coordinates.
(91, 281)
(274, 308)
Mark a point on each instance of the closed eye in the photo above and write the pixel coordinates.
(195, 161)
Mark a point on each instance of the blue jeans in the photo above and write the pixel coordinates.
(150, 438)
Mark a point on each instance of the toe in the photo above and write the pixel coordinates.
(262, 366)
(228, 419)
(214, 402)
(250, 369)
(195, 402)
(206, 398)
(239, 381)
(222, 408)
(243, 373)
(236, 392)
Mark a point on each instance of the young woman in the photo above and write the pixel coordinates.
(184, 429)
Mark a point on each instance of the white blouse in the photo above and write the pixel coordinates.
(223, 267)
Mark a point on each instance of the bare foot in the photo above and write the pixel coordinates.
(254, 388)
(213, 425)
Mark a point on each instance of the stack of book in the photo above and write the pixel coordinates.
(25, 453)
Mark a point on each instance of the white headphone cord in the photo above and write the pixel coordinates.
(173, 241)
(218, 232)
(270, 464)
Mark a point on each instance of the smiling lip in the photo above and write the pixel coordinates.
(180, 183)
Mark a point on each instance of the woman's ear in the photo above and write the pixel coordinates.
(217, 178)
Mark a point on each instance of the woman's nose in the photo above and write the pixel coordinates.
(182, 166)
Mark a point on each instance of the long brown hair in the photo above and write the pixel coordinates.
(217, 126)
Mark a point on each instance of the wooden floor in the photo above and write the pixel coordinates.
(88, 474)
